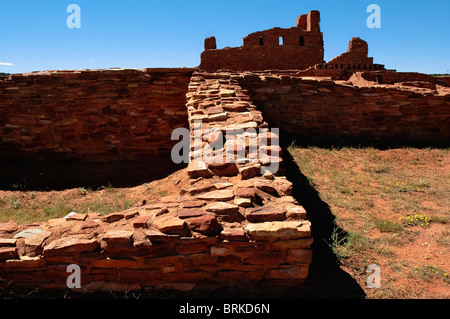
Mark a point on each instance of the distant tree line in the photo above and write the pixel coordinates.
(4, 74)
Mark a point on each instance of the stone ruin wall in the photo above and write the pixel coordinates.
(345, 65)
(367, 112)
(236, 224)
(275, 49)
(92, 115)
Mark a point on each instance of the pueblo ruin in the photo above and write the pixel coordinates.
(235, 223)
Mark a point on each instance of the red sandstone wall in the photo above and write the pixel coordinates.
(92, 115)
(389, 77)
(356, 54)
(301, 47)
(256, 58)
(444, 79)
(325, 110)
(239, 230)
(346, 64)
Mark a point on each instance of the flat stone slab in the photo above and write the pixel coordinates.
(118, 236)
(28, 233)
(70, 246)
(283, 230)
(190, 213)
(219, 195)
(221, 208)
(7, 242)
(296, 212)
(193, 204)
(169, 224)
(243, 202)
(265, 214)
(198, 169)
(8, 227)
(8, 253)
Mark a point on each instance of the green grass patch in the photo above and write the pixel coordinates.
(430, 271)
(387, 226)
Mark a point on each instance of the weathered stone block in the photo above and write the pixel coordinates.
(25, 264)
(301, 256)
(250, 171)
(297, 271)
(284, 230)
(170, 225)
(8, 227)
(265, 214)
(8, 253)
(206, 225)
(190, 213)
(218, 195)
(70, 246)
(222, 208)
(33, 245)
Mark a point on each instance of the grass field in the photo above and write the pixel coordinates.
(391, 208)
(26, 206)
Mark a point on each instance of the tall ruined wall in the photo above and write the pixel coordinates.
(259, 58)
(91, 115)
(342, 67)
(327, 110)
(275, 49)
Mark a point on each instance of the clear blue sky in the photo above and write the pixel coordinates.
(414, 35)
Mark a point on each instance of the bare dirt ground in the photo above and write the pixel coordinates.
(390, 208)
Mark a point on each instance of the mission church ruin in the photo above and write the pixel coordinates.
(297, 48)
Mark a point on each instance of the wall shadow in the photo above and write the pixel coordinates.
(326, 279)
(66, 174)
(338, 142)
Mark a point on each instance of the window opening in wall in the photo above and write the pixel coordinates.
(280, 41)
(261, 40)
(379, 79)
(302, 41)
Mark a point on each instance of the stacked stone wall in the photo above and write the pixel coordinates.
(230, 227)
(236, 224)
(91, 115)
(321, 109)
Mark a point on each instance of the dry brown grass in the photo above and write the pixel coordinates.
(371, 193)
(27, 207)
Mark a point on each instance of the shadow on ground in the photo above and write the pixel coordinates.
(326, 279)
(62, 175)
